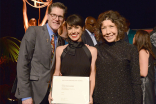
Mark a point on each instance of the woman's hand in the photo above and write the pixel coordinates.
(91, 100)
(60, 74)
(50, 98)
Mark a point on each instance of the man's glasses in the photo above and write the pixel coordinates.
(54, 16)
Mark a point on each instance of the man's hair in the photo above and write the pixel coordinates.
(75, 20)
(59, 5)
(116, 18)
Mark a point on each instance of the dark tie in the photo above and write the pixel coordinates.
(52, 45)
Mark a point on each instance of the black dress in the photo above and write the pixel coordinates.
(75, 62)
(117, 74)
(148, 84)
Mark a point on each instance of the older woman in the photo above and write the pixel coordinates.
(117, 72)
(146, 56)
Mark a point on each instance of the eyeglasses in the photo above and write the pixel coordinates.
(54, 16)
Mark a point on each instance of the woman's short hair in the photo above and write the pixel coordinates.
(142, 41)
(75, 19)
(116, 18)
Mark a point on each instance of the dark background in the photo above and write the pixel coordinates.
(141, 13)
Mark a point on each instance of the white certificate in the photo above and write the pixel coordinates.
(70, 90)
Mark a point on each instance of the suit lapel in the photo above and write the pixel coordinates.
(89, 39)
(47, 46)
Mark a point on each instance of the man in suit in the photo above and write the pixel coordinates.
(35, 64)
(130, 32)
(88, 34)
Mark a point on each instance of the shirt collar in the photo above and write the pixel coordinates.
(128, 31)
(50, 31)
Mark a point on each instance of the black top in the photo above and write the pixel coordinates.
(117, 74)
(151, 71)
(148, 84)
(75, 62)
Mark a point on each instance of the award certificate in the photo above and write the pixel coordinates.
(70, 90)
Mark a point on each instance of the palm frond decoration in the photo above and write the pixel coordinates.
(9, 49)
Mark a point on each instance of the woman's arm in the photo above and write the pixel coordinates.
(57, 69)
(59, 51)
(93, 71)
(143, 61)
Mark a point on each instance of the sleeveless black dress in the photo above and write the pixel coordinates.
(75, 62)
(148, 84)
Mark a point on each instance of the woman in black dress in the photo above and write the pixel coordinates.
(146, 56)
(72, 59)
(117, 65)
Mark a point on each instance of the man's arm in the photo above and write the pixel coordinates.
(24, 63)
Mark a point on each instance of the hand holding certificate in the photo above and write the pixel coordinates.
(69, 89)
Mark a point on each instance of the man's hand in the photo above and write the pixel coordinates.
(64, 30)
(28, 101)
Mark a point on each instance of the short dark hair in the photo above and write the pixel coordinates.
(59, 5)
(116, 18)
(75, 19)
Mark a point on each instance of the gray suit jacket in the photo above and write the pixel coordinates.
(34, 67)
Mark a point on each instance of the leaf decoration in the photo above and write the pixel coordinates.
(9, 49)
